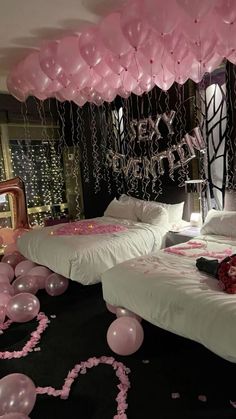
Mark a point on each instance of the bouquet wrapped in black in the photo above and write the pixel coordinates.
(224, 271)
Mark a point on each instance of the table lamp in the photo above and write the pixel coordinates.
(197, 186)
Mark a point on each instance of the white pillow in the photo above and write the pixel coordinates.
(175, 211)
(154, 214)
(222, 223)
(134, 202)
(117, 209)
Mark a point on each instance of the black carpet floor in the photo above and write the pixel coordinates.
(165, 364)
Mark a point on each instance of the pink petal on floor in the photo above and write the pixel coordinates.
(175, 395)
(202, 398)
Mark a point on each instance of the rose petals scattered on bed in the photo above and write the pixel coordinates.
(86, 228)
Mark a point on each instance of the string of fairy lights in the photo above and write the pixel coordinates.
(40, 167)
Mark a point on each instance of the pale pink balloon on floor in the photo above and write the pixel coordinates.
(56, 284)
(17, 394)
(125, 335)
(6, 269)
(121, 312)
(13, 259)
(6, 288)
(23, 307)
(40, 271)
(10, 248)
(14, 415)
(4, 299)
(24, 267)
(111, 308)
(2, 314)
(26, 283)
(40, 281)
(4, 278)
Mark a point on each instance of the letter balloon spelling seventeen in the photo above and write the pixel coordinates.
(17, 395)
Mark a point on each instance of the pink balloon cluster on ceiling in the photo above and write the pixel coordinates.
(147, 43)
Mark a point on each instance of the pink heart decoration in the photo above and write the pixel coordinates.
(32, 342)
(121, 372)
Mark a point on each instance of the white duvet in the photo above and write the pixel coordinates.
(168, 290)
(84, 258)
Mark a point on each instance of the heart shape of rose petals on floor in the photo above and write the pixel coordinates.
(121, 372)
(32, 342)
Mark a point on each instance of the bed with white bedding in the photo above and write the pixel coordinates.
(84, 257)
(166, 289)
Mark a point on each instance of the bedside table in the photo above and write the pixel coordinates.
(176, 237)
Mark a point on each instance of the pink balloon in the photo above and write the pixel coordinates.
(56, 284)
(4, 278)
(128, 81)
(48, 60)
(90, 46)
(69, 92)
(121, 312)
(14, 415)
(23, 307)
(163, 16)
(133, 24)
(2, 314)
(153, 47)
(213, 62)
(20, 93)
(80, 100)
(6, 288)
(24, 267)
(103, 69)
(40, 271)
(125, 335)
(27, 283)
(165, 79)
(34, 74)
(17, 394)
(10, 248)
(197, 8)
(197, 71)
(17, 83)
(81, 78)
(53, 88)
(68, 55)
(123, 93)
(113, 81)
(112, 36)
(114, 63)
(63, 79)
(111, 308)
(6, 269)
(4, 299)
(13, 259)
(226, 10)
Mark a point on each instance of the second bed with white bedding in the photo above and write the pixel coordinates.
(166, 289)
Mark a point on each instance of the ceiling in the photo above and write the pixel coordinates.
(25, 24)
